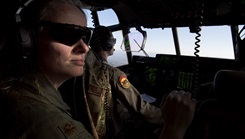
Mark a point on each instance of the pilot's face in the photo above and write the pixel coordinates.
(111, 52)
(112, 42)
(62, 44)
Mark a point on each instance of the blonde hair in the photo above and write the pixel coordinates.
(38, 10)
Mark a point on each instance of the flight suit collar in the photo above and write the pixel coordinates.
(40, 84)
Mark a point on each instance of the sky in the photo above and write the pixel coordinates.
(215, 41)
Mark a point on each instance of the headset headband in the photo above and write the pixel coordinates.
(17, 14)
(25, 34)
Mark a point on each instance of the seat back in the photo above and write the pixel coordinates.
(229, 85)
(223, 116)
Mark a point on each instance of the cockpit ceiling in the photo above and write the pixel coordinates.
(179, 13)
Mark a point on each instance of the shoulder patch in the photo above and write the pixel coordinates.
(124, 81)
(68, 129)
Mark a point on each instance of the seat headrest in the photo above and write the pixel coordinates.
(229, 84)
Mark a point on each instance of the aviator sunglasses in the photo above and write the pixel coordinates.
(68, 34)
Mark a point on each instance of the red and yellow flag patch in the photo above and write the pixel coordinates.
(124, 82)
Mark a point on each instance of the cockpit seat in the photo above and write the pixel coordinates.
(224, 116)
(229, 86)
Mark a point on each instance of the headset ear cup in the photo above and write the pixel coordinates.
(104, 43)
(107, 46)
(26, 40)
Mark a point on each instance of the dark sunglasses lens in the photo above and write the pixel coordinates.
(69, 35)
(114, 40)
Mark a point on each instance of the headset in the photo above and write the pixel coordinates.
(102, 39)
(25, 34)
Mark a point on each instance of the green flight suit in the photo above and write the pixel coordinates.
(31, 108)
(100, 78)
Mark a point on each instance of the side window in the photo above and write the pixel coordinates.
(89, 18)
(242, 32)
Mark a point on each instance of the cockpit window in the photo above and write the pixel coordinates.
(215, 41)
